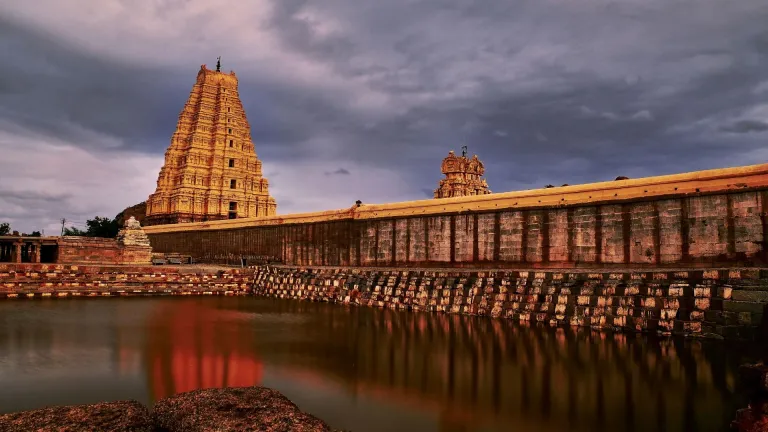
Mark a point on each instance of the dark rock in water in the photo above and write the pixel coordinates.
(754, 383)
(233, 410)
(122, 416)
(751, 419)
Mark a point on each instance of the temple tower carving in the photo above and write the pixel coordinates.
(463, 176)
(211, 171)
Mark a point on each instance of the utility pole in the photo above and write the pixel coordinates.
(62, 226)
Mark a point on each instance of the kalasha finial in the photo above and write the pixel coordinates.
(218, 64)
(463, 151)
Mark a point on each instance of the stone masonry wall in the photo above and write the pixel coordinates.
(724, 229)
(100, 251)
(714, 303)
(56, 280)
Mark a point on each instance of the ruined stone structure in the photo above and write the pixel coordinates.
(130, 247)
(18, 249)
(211, 171)
(463, 177)
(132, 235)
(715, 217)
(133, 243)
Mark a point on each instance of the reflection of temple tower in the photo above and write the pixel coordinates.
(195, 347)
(211, 171)
(462, 177)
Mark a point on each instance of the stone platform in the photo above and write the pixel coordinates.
(718, 303)
(57, 281)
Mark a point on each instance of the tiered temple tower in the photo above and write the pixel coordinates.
(211, 171)
(462, 176)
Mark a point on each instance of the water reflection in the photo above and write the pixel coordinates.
(351, 366)
(192, 346)
(482, 372)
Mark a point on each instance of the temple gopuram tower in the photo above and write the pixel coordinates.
(462, 176)
(211, 171)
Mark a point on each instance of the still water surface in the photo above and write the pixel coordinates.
(365, 369)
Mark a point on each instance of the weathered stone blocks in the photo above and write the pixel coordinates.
(671, 303)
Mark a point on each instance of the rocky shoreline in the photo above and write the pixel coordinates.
(230, 409)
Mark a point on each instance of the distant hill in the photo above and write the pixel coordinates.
(139, 211)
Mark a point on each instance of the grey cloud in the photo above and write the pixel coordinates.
(746, 126)
(32, 195)
(63, 94)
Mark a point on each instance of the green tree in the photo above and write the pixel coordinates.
(5, 228)
(35, 234)
(102, 227)
(74, 232)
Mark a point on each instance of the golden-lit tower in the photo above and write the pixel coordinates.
(463, 176)
(211, 170)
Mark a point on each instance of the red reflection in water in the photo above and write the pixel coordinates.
(193, 347)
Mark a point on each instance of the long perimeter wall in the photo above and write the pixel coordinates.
(684, 220)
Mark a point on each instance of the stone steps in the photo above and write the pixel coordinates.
(74, 281)
(657, 302)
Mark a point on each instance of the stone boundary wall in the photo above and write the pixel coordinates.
(19, 281)
(100, 251)
(712, 303)
(716, 218)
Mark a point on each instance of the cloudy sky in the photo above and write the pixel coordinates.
(361, 99)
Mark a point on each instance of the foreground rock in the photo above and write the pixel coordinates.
(752, 419)
(233, 410)
(123, 416)
(754, 383)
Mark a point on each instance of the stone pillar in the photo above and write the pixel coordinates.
(16, 256)
(36, 253)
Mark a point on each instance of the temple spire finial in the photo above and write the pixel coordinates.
(463, 151)
(218, 64)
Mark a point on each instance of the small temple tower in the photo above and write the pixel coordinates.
(462, 176)
(211, 171)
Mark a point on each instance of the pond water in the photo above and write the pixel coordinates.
(365, 369)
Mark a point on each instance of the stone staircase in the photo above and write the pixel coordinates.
(53, 280)
(714, 303)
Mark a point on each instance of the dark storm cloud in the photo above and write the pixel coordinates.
(579, 125)
(746, 126)
(53, 89)
(340, 171)
(544, 91)
(32, 195)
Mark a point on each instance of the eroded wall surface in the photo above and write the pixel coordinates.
(100, 251)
